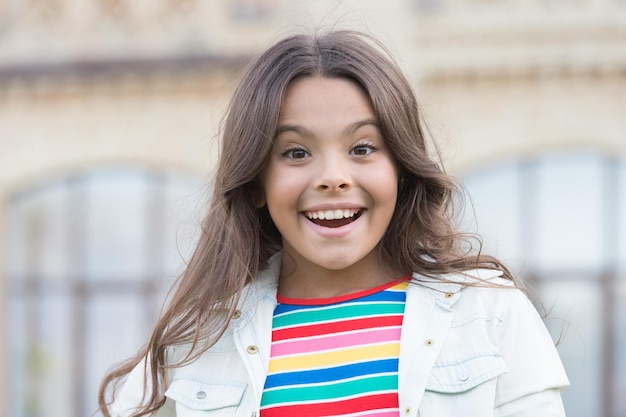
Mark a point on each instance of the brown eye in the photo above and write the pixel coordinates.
(362, 150)
(297, 153)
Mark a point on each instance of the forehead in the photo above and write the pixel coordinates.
(311, 97)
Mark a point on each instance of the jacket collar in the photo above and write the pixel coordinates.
(447, 288)
(264, 286)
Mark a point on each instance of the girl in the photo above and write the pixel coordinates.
(328, 280)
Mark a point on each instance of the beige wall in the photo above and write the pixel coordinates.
(51, 130)
(484, 121)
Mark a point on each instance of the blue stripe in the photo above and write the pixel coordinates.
(332, 374)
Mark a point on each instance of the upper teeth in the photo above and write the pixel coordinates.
(331, 214)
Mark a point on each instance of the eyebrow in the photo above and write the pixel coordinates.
(301, 130)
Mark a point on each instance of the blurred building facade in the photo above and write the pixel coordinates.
(109, 114)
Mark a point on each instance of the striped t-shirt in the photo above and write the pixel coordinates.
(336, 356)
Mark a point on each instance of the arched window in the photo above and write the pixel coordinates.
(91, 257)
(560, 220)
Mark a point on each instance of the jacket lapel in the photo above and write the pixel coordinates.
(253, 332)
(427, 318)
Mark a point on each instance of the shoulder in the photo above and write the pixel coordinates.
(479, 296)
(475, 283)
(485, 305)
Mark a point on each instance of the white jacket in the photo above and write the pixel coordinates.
(465, 351)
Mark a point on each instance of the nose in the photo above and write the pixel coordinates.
(334, 175)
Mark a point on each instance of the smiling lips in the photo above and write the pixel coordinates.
(333, 218)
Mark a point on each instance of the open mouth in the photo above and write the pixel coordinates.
(334, 218)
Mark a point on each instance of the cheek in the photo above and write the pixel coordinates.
(281, 188)
(386, 184)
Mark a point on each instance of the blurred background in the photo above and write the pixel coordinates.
(109, 115)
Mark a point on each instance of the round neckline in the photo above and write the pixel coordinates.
(339, 298)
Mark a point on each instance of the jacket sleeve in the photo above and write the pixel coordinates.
(535, 378)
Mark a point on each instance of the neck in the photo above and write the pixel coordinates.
(299, 279)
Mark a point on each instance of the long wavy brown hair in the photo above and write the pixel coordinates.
(238, 237)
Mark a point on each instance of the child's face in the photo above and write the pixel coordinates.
(331, 183)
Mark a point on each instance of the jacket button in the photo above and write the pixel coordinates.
(449, 295)
(429, 342)
(201, 395)
(463, 377)
(252, 349)
(407, 411)
(236, 314)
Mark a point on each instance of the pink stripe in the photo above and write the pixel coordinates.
(336, 341)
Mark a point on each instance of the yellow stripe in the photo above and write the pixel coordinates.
(338, 357)
(400, 286)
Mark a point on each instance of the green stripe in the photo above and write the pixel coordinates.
(337, 313)
(326, 392)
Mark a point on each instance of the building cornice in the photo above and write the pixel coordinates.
(86, 69)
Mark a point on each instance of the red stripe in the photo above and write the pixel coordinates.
(355, 405)
(335, 327)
